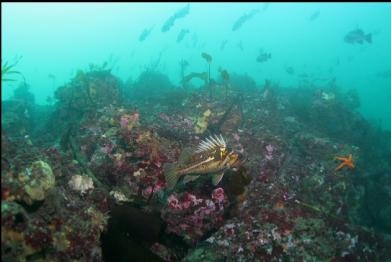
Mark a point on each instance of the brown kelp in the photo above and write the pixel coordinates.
(225, 77)
(208, 59)
(203, 76)
(8, 69)
(183, 63)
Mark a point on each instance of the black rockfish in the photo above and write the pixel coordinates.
(357, 36)
(211, 156)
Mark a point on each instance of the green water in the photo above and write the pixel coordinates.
(55, 40)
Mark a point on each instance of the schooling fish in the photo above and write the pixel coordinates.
(357, 36)
(211, 156)
(263, 56)
(244, 18)
(314, 16)
(182, 35)
(171, 20)
(222, 46)
(144, 34)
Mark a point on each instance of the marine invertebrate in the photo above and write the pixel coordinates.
(81, 183)
(40, 180)
(202, 122)
(346, 161)
(129, 121)
(192, 217)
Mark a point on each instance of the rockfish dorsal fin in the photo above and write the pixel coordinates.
(211, 143)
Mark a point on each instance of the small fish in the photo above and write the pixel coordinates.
(314, 16)
(211, 156)
(290, 70)
(183, 63)
(182, 35)
(222, 46)
(171, 20)
(263, 56)
(384, 74)
(144, 34)
(240, 45)
(194, 39)
(244, 18)
(224, 74)
(358, 36)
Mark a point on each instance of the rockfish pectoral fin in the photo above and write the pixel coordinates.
(189, 178)
(217, 178)
(170, 175)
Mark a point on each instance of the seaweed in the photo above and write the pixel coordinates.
(9, 69)
(208, 59)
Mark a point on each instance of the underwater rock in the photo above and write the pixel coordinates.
(202, 254)
(192, 217)
(89, 90)
(129, 121)
(202, 122)
(81, 183)
(151, 87)
(130, 233)
(232, 120)
(40, 180)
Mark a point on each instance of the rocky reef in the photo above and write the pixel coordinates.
(87, 182)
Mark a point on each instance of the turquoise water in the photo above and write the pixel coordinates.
(196, 132)
(55, 40)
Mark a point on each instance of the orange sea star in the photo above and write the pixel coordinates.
(347, 161)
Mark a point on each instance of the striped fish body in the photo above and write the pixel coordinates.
(202, 163)
(211, 156)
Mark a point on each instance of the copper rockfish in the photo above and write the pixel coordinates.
(211, 157)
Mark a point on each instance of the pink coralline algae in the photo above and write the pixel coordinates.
(269, 152)
(147, 192)
(107, 148)
(188, 122)
(192, 217)
(128, 121)
(135, 117)
(165, 117)
(188, 200)
(173, 202)
(124, 121)
(218, 195)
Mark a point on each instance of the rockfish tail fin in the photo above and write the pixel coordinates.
(170, 175)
